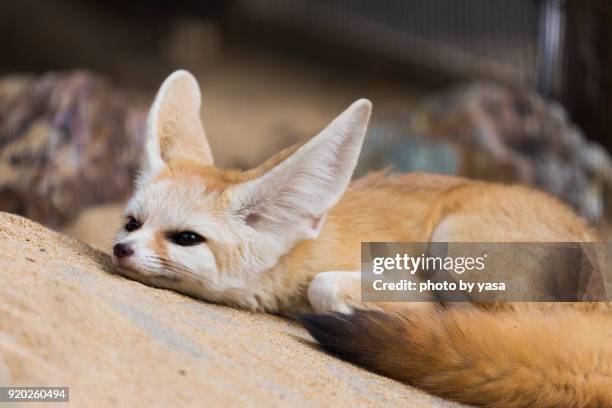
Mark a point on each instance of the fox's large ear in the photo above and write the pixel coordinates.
(174, 127)
(297, 193)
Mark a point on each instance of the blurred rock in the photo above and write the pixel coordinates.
(494, 132)
(67, 141)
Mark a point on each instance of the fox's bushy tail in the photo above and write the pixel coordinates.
(502, 359)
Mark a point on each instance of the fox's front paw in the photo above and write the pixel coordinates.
(334, 292)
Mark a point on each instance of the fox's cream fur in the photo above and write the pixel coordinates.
(285, 238)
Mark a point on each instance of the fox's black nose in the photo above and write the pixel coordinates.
(122, 250)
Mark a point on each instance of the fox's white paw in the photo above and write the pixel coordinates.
(333, 292)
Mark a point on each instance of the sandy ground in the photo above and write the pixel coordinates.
(67, 320)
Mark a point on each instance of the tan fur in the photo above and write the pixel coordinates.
(525, 358)
(218, 179)
(160, 243)
(418, 202)
(280, 237)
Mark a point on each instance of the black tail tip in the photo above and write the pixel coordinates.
(351, 337)
(327, 329)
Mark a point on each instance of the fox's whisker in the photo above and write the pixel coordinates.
(178, 269)
(154, 263)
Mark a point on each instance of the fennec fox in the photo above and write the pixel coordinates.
(285, 238)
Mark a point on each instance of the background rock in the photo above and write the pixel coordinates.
(489, 131)
(67, 141)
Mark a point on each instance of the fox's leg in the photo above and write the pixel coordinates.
(340, 291)
(335, 291)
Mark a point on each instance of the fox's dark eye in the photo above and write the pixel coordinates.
(132, 224)
(187, 238)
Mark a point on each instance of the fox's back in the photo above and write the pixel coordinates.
(418, 207)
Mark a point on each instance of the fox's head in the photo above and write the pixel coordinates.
(195, 228)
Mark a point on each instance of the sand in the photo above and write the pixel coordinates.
(67, 320)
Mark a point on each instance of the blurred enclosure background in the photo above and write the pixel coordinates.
(513, 91)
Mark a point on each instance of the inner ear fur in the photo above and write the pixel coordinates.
(175, 130)
(310, 179)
